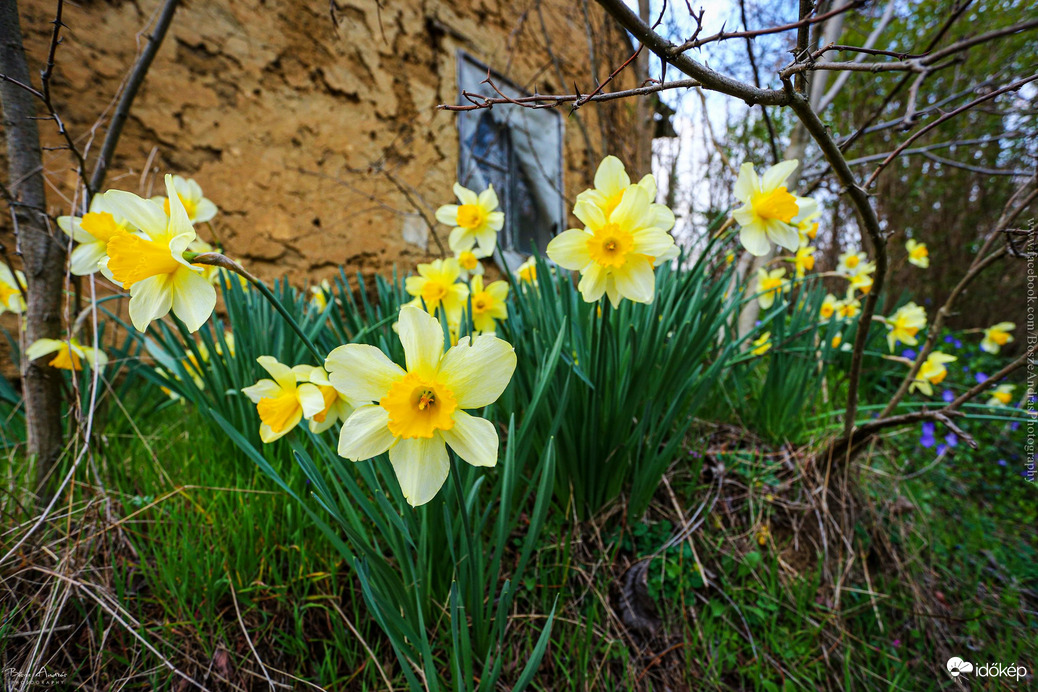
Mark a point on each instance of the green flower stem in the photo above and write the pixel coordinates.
(215, 259)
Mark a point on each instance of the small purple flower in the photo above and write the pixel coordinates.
(948, 396)
(941, 449)
(909, 354)
(965, 368)
(958, 344)
(948, 339)
(951, 439)
(980, 377)
(1014, 426)
(927, 438)
(1001, 462)
(896, 643)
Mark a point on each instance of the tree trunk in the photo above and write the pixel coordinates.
(43, 256)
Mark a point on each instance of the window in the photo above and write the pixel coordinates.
(519, 152)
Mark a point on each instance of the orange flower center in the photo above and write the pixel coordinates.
(777, 204)
(419, 406)
(101, 225)
(471, 216)
(610, 245)
(133, 259)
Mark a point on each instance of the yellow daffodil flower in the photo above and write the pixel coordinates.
(997, 336)
(769, 212)
(614, 254)
(848, 308)
(320, 293)
(918, 254)
(611, 181)
(807, 227)
(853, 263)
(469, 263)
(761, 344)
(770, 286)
(11, 287)
(415, 413)
(931, 372)
(198, 208)
(803, 261)
(488, 304)
(68, 355)
(863, 281)
(829, 306)
(92, 233)
(475, 220)
(152, 267)
(527, 272)
(904, 324)
(285, 400)
(337, 407)
(836, 341)
(1002, 395)
(437, 285)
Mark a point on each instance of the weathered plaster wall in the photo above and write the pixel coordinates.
(302, 131)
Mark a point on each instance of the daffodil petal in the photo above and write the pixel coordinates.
(611, 178)
(633, 210)
(478, 371)
(755, 240)
(777, 174)
(466, 195)
(361, 372)
(448, 214)
(142, 213)
(193, 298)
(365, 434)
(310, 399)
(422, 337)
(421, 466)
(636, 280)
(783, 234)
(473, 439)
(652, 242)
(84, 258)
(43, 347)
(460, 240)
(205, 210)
(569, 249)
(264, 389)
(150, 299)
(488, 198)
(747, 183)
(592, 283)
(591, 215)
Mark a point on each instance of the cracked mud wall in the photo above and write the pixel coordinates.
(303, 131)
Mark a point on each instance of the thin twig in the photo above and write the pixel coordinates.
(133, 84)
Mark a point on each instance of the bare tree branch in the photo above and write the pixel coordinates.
(724, 36)
(944, 118)
(133, 84)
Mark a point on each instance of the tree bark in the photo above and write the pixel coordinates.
(43, 256)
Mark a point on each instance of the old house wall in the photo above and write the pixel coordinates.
(307, 132)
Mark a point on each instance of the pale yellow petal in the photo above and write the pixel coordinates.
(478, 371)
(569, 249)
(422, 337)
(421, 466)
(365, 434)
(361, 372)
(473, 439)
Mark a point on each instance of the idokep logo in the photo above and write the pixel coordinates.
(956, 667)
